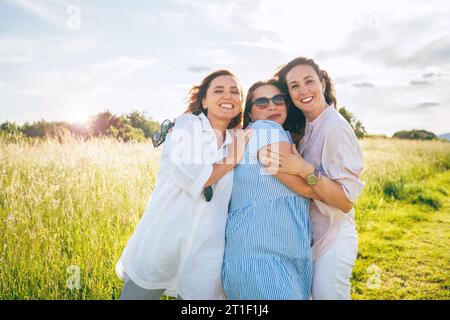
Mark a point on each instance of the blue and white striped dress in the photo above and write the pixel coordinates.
(268, 231)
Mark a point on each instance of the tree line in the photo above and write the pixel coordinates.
(360, 130)
(135, 126)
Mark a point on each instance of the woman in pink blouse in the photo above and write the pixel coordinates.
(330, 160)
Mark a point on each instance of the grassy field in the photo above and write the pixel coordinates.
(66, 212)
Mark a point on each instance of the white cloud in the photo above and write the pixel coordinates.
(385, 47)
(216, 53)
(73, 94)
(16, 50)
(373, 50)
(390, 108)
(19, 49)
(175, 20)
(118, 68)
(53, 12)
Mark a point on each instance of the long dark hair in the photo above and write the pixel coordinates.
(198, 93)
(330, 95)
(295, 121)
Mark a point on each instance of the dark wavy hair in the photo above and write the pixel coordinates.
(330, 95)
(198, 93)
(295, 121)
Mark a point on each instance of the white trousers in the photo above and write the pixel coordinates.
(332, 271)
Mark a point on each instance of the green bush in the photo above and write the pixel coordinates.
(395, 190)
(415, 135)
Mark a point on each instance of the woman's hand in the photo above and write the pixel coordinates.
(287, 163)
(240, 140)
(221, 168)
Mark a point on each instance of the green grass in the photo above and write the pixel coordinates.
(73, 206)
(69, 205)
(403, 222)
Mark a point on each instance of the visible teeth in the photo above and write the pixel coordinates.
(307, 100)
(227, 105)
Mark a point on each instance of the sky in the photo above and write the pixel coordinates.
(70, 59)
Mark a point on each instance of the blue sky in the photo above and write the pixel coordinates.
(68, 59)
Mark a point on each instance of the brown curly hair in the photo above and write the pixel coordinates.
(198, 93)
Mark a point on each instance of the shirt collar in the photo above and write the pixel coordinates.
(206, 125)
(228, 137)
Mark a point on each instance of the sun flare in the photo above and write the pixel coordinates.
(78, 116)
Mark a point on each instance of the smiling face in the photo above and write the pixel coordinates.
(223, 98)
(306, 90)
(272, 112)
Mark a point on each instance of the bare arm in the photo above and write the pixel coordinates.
(332, 194)
(293, 182)
(220, 169)
(326, 189)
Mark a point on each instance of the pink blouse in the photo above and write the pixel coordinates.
(330, 144)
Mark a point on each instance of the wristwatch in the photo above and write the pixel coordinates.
(313, 178)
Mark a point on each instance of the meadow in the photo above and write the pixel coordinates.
(67, 210)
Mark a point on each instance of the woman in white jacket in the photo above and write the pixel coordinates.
(178, 244)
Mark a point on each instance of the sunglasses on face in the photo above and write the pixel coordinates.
(159, 137)
(263, 102)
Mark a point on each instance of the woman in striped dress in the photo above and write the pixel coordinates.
(268, 230)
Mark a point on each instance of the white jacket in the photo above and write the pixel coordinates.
(179, 241)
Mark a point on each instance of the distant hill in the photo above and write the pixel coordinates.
(445, 136)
